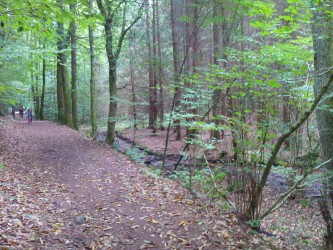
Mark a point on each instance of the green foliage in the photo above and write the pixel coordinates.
(254, 223)
(2, 166)
(155, 172)
(136, 154)
(304, 203)
(203, 180)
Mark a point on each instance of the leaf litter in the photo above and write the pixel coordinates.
(53, 174)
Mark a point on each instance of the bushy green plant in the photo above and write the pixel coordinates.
(2, 166)
(136, 154)
(254, 223)
(155, 172)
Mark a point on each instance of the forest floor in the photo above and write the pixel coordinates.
(297, 224)
(60, 190)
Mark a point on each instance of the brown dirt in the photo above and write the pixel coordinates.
(53, 174)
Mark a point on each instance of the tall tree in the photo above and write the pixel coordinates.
(151, 71)
(93, 119)
(155, 66)
(72, 31)
(133, 92)
(322, 31)
(41, 115)
(160, 69)
(176, 64)
(36, 94)
(63, 94)
(113, 13)
(217, 95)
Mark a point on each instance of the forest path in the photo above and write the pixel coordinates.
(72, 193)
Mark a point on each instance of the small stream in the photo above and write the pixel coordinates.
(142, 155)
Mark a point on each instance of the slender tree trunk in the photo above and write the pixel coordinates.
(43, 87)
(160, 69)
(133, 94)
(33, 90)
(151, 70)
(111, 132)
(67, 94)
(36, 94)
(217, 95)
(74, 69)
(175, 54)
(155, 68)
(61, 78)
(93, 119)
(60, 91)
(188, 48)
(196, 38)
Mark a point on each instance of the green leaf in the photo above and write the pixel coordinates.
(273, 83)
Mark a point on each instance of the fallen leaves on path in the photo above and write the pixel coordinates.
(59, 190)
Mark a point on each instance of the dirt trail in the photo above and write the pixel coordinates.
(77, 194)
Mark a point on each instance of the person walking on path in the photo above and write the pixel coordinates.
(21, 111)
(29, 116)
(13, 111)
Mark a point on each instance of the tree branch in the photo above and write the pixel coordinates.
(286, 194)
(125, 30)
(284, 136)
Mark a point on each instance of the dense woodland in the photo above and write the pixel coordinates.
(244, 83)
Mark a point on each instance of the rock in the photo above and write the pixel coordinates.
(33, 217)
(80, 238)
(149, 159)
(157, 164)
(80, 219)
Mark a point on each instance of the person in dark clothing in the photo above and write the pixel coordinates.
(21, 112)
(29, 116)
(13, 112)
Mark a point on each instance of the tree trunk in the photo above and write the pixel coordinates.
(160, 71)
(217, 95)
(113, 57)
(63, 97)
(74, 69)
(93, 119)
(176, 69)
(111, 132)
(60, 90)
(155, 68)
(36, 94)
(32, 85)
(43, 87)
(322, 32)
(151, 75)
(133, 94)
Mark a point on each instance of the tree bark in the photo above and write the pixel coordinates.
(151, 70)
(175, 54)
(160, 69)
(63, 95)
(43, 87)
(36, 94)
(322, 32)
(155, 68)
(133, 93)
(74, 69)
(93, 119)
(60, 90)
(217, 95)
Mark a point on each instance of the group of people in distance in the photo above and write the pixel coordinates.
(21, 111)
